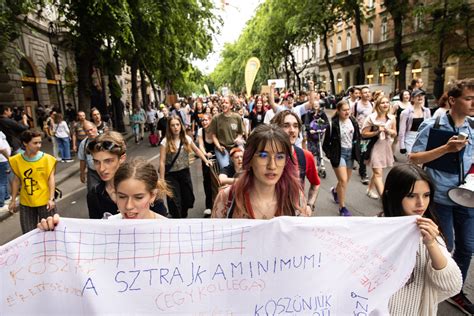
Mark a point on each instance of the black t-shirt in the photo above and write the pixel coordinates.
(161, 125)
(12, 131)
(99, 202)
(229, 171)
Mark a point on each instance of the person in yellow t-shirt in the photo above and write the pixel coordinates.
(34, 180)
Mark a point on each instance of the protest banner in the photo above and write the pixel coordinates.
(295, 265)
(279, 83)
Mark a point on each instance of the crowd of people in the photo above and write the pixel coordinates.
(256, 155)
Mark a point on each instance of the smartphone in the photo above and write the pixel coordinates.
(462, 136)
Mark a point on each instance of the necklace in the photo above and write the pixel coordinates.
(256, 207)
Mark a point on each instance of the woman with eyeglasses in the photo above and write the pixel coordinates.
(109, 153)
(268, 185)
(174, 166)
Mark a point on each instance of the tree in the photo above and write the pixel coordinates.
(399, 9)
(317, 19)
(11, 13)
(352, 10)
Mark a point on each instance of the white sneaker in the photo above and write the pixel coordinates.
(4, 208)
(372, 194)
(7, 201)
(207, 212)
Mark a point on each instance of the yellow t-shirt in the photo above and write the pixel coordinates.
(33, 177)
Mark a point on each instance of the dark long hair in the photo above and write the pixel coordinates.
(399, 183)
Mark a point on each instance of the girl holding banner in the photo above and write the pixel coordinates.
(409, 191)
(137, 186)
(268, 185)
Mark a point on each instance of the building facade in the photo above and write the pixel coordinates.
(31, 76)
(380, 63)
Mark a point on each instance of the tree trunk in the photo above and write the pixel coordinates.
(397, 10)
(328, 63)
(295, 71)
(357, 22)
(84, 63)
(117, 104)
(153, 87)
(143, 87)
(134, 69)
(288, 74)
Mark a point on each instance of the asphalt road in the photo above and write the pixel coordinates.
(73, 204)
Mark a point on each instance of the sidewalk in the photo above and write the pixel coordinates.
(64, 171)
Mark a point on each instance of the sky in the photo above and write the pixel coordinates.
(234, 16)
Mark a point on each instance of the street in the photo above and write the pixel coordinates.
(73, 202)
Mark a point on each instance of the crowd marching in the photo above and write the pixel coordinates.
(256, 155)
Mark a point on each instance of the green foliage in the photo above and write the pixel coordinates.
(10, 24)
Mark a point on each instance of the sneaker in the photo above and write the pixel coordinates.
(4, 208)
(372, 194)
(7, 201)
(334, 195)
(207, 212)
(462, 302)
(343, 211)
(67, 160)
(365, 180)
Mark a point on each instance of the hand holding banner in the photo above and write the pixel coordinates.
(296, 265)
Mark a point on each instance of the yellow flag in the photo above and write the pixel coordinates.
(206, 88)
(251, 69)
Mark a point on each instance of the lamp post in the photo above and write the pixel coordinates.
(53, 32)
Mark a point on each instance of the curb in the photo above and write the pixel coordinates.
(5, 215)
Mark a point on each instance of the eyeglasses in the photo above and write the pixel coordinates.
(263, 158)
(104, 145)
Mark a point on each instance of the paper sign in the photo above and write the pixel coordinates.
(279, 83)
(251, 69)
(265, 89)
(291, 265)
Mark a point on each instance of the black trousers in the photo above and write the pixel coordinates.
(183, 195)
(206, 181)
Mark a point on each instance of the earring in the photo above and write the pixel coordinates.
(152, 204)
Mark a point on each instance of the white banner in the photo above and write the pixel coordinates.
(279, 83)
(320, 266)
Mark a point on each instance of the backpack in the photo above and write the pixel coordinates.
(301, 163)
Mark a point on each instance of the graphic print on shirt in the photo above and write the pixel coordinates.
(31, 185)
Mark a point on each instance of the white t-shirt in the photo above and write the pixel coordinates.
(363, 111)
(347, 133)
(151, 116)
(62, 130)
(4, 146)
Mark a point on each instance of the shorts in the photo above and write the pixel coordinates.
(346, 158)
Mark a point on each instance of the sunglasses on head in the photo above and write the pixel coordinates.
(103, 145)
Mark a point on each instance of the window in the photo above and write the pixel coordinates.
(370, 76)
(416, 69)
(384, 30)
(348, 42)
(331, 44)
(339, 44)
(370, 34)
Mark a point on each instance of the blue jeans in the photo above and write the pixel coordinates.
(4, 167)
(457, 225)
(63, 147)
(222, 158)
